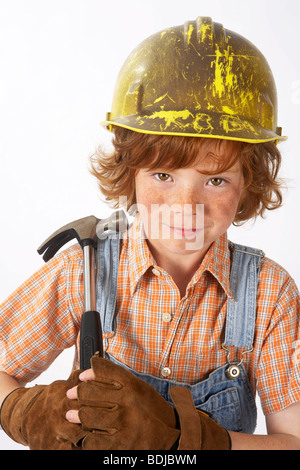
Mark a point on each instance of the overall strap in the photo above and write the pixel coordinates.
(241, 312)
(107, 277)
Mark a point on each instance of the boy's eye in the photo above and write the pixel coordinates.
(163, 176)
(216, 181)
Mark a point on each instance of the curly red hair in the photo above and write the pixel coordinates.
(260, 163)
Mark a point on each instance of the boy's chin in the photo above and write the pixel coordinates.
(183, 246)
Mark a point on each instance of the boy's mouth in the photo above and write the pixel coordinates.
(185, 232)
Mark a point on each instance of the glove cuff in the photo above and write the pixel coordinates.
(191, 435)
(198, 430)
(12, 411)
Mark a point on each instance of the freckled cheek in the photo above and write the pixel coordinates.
(225, 206)
(148, 196)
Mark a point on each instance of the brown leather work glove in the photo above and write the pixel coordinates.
(198, 430)
(121, 411)
(35, 416)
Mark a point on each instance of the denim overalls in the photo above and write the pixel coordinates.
(226, 394)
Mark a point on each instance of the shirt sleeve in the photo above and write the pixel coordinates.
(42, 317)
(278, 374)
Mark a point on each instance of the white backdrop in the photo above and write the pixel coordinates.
(59, 60)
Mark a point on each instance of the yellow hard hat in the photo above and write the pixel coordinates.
(197, 79)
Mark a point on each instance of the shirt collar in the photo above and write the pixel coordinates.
(139, 256)
(216, 260)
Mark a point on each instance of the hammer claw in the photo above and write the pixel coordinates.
(82, 229)
(51, 247)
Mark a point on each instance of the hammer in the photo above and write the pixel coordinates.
(86, 231)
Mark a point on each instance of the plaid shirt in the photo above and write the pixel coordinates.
(157, 332)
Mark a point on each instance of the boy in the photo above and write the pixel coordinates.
(199, 323)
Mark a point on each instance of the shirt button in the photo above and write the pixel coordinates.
(156, 272)
(166, 317)
(166, 372)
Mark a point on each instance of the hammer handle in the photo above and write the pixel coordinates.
(90, 338)
(90, 329)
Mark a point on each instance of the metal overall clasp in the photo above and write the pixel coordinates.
(233, 370)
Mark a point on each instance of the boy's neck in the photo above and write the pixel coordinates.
(180, 267)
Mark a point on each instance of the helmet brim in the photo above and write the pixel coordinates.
(216, 126)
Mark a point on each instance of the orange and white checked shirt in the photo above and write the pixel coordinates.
(157, 332)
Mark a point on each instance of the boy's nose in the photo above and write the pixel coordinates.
(188, 199)
(187, 215)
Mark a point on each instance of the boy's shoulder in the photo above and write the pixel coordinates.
(72, 253)
(69, 257)
(272, 268)
(276, 282)
(271, 272)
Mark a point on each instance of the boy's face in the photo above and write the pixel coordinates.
(185, 210)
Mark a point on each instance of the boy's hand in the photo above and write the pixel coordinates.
(85, 376)
(108, 410)
(121, 411)
(35, 417)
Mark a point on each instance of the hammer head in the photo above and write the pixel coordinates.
(86, 230)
